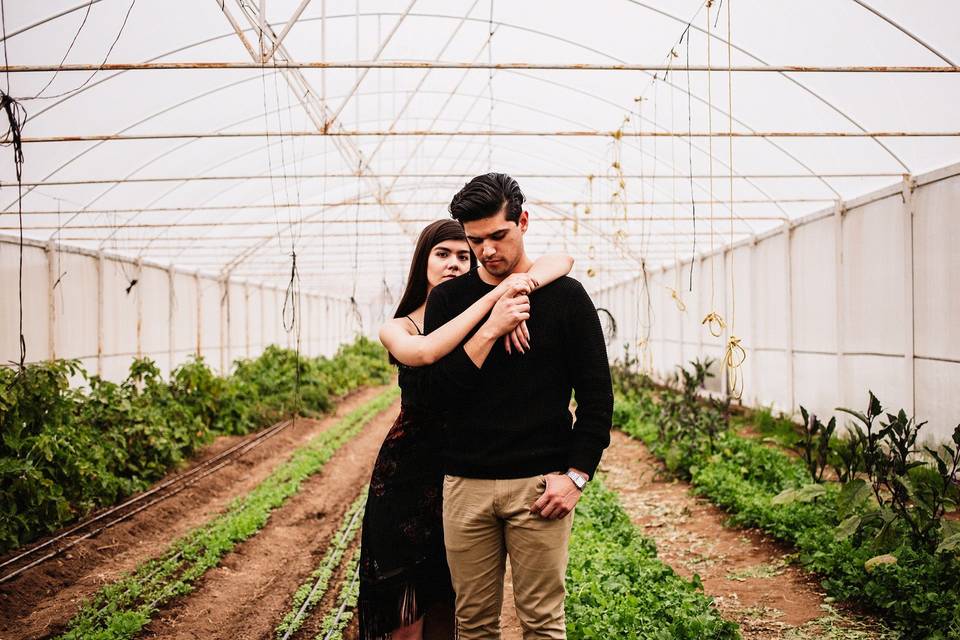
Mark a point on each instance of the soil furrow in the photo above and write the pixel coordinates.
(250, 591)
(41, 601)
(745, 571)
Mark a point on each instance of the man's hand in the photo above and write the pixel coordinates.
(520, 337)
(509, 311)
(558, 499)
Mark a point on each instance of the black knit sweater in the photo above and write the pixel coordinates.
(511, 418)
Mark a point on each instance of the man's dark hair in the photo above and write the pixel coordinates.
(486, 195)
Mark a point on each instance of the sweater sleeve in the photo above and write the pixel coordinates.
(454, 375)
(593, 390)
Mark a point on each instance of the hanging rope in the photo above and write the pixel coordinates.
(715, 324)
(681, 305)
(736, 354)
(693, 202)
(713, 320)
(733, 359)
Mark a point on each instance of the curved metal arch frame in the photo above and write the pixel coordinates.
(653, 9)
(592, 50)
(259, 149)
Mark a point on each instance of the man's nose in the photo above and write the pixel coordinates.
(488, 250)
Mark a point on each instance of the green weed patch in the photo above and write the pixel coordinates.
(617, 588)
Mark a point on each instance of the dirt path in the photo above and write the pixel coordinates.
(40, 602)
(744, 571)
(249, 592)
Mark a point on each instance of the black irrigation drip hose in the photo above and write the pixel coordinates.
(184, 481)
(339, 544)
(16, 118)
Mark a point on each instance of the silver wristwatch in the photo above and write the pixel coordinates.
(578, 479)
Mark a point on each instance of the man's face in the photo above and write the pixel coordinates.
(497, 242)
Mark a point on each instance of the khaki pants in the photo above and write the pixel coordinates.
(483, 522)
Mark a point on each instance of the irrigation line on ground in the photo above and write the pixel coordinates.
(187, 478)
(331, 559)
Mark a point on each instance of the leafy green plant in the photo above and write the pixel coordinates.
(816, 443)
(912, 584)
(311, 592)
(67, 450)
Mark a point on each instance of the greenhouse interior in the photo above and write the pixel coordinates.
(210, 223)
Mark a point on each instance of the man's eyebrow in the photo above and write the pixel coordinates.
(492, 233)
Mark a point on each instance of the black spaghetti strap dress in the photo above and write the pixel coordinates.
(403, 564)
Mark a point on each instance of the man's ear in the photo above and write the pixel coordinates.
(524, 221)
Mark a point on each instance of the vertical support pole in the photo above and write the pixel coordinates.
(246, 321)
(172, 316)
(838, 211)
(263, 334)
(696, 314)
(50, 251)
(679, 267)
(752, 366)
(224, 323)
(724, 382)
(196, 278)
(138, 290)
(101, 264)
(909, 185)
(788, 255)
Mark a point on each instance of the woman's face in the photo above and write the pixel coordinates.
(448, 259)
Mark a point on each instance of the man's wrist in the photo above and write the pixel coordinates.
(578, 477)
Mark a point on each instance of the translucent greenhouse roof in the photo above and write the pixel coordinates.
(220, 135)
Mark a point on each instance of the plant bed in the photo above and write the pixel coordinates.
(618, 588)
(123, 607)
(880, 539)
(68, 450)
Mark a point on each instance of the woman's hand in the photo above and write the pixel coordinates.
(509, 311)
(522, 282)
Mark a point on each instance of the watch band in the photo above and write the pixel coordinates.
(578, 479)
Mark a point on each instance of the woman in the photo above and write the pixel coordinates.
(403, 567)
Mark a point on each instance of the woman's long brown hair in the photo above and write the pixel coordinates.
(433, 234)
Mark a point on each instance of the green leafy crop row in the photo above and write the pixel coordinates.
(65, 450)
(879, 538)
(617, 588)
(121, 609)
(312, 591)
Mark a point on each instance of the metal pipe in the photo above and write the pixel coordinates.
(287, 224)
(530, 134)
(367, 234)
(434, 176)
(498, 66)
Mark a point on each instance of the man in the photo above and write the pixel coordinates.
(515, 462)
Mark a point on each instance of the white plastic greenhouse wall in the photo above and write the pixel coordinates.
(167, 315)
(863, 296)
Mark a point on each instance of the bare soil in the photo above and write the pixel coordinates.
(250, 591)
(40, 602)
(747, 573)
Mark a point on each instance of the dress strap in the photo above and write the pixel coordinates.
(419, 333)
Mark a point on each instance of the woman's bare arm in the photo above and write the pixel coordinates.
(550, 267)
(416, 351)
